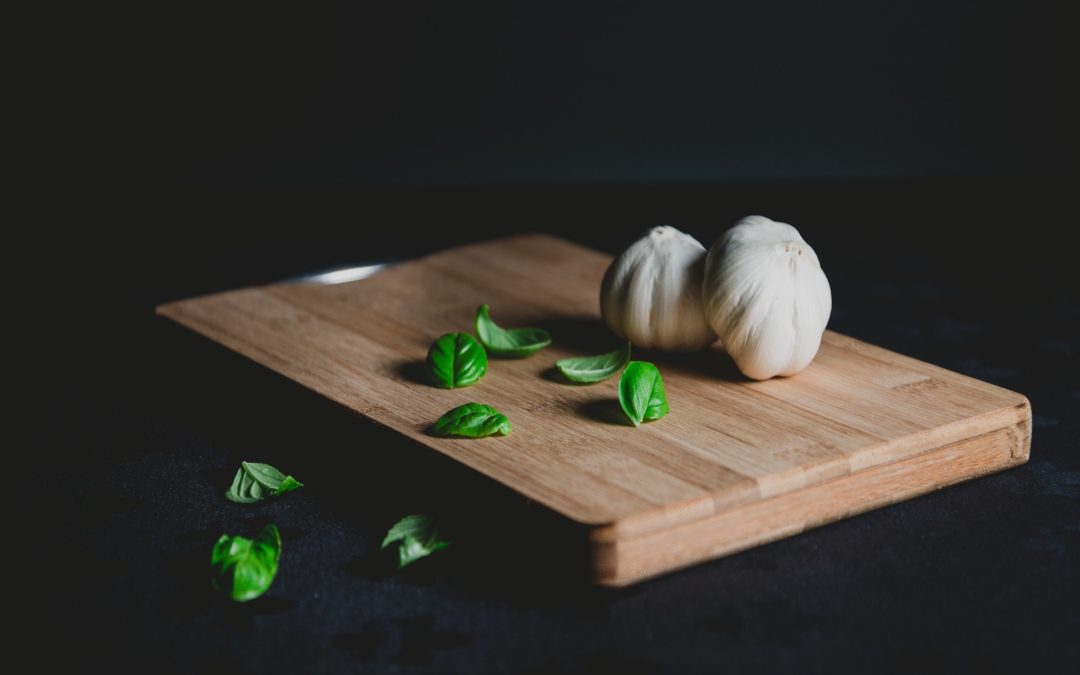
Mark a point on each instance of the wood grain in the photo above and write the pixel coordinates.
(734, 464)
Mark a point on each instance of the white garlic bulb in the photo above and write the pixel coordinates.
(651, 294)
(766, 297)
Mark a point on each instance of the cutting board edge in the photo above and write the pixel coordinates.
(1013, 417)
(621, 562)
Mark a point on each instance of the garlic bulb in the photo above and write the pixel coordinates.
(651, 294)
(766, 296)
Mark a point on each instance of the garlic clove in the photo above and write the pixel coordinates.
(767, 297)
(651, 293)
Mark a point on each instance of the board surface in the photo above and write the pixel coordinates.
(735, 463)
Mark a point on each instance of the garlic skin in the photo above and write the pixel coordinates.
(766, 297)
(651, 293)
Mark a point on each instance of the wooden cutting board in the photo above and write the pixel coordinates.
(736, 463)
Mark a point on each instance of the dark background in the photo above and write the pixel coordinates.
(579, 92)
(926, 151)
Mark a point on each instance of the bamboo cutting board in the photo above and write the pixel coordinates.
(736, 463)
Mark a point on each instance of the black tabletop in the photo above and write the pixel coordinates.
(139, 425)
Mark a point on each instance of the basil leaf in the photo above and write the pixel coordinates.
(509, 342)
(244, 568)
(254, 482)
(267, 475)
(419, 538)
(287, 485)
(472, 420)
(594, 368)
(456, 360)
(641, 392)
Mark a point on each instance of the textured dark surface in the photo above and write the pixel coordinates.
(139, 426)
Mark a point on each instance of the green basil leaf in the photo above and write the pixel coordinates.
(509, 342)
(641, 392)
(254, 482)
(244, 568)
(287, 485)
(594, 368)
(472, 420)
(456, 360)
(418, 536)
(268, 476)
